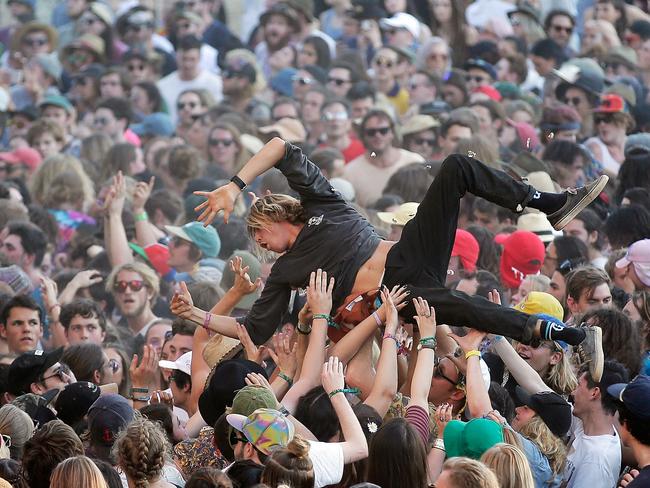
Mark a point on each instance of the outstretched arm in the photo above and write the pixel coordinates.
(223, 198)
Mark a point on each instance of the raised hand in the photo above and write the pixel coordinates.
(243, 283)
(319, 292)
(114, 202)
(494, 296)
(332, 376)
(142, 193)
(443, 417)
(145, 374)
(425, 318)
(470, 341)
(181, 304)
(283, 354)
(218, 200)
(253, 353)
(392, 302)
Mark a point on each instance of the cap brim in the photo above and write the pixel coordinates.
(236, 421)
(524, 397)
(624, 262)
(178, 232)
(168, 364)
(139, 129)
(387, 217)
(617, 390)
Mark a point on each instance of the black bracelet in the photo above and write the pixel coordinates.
(239, 182)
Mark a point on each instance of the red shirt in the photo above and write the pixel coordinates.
(354, 150)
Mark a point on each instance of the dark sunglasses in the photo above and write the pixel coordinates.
(437, 373)
(536, 343)
(235, 438)
(476, 78)
(230, 73)
(380, 130)
(559, 28)
(114, 364)
(134, 285)
(607, 118)
(135, 67)
(337, 81)
(575, 101)
(62, 372)
(35, 42)
(384, 62)
(421, 140)
(190, 105)
(220, 142)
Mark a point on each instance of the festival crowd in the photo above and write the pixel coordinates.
(121, 362)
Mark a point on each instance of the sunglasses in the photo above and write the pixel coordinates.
(177, 241)
(475, 78)
(134, 285)
(437, 373)
(421, 140)
(575, 101)
(607, 119)
(337, 81)
(386, 63)
(234, 439)
(101, 121)
(61, 372)
(135, 67)
(335, 116)
(302, 80)
(380, 130)
(537, 342)
(34, 42)
(90, 20)
(559, 28)
(190, 105)
(220, 142)
(230, 73)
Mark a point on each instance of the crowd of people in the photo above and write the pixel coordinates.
(309, 243)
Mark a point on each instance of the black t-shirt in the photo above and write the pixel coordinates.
(336, 238)
(643, 480)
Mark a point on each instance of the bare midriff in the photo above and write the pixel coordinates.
(370, 274)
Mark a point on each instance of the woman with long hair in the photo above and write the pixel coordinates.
(98, 19)
(638, 309)
(141, 450)
(122, 157)
(510, 465)
(448, 22)
(146, 98)
(77, 471)
(314, 51)
(226, 153)
(289, 466)
(190, 105)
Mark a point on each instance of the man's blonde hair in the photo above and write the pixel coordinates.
(275, 208)
(149, 277)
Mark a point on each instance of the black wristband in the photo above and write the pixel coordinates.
(239, 182)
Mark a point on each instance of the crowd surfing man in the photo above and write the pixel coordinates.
(321, 231)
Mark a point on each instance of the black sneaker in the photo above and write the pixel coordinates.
(591, 351)
(577, 200)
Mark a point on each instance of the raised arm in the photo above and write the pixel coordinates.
(421, 382)
(145, 232)
(223, 198)
(523, 372)
(117, 245)
(478, 399)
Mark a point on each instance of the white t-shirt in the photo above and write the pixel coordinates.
(593, 461)
(328, 462)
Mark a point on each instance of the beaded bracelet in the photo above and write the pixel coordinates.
(428, 341)
(285, 378)
(345, 390)
(391, 336)
(324, 316)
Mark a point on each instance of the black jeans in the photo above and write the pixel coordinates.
(421, 258)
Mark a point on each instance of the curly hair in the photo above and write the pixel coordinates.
(548, 443)
(141, 450)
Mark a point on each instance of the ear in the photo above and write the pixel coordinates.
(595, 393)
(36, 388)
(572, 304)
(3, 331)
(592, 237)
(457, 395)
(555, 358)
(97, 377)
(103, 335)
(7, 397)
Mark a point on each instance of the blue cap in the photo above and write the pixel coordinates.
(635, 395)
(57, 101)
(156, 124)
(282, 82)
(107, 416)
(482, 65)
(205, 238)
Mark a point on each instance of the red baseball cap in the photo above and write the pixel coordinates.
(490, 91)
(523, 255)
(466, 248)
(25, 155)
(611, 103)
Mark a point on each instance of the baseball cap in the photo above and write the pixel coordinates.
(637, 142)
(74, 401)
(638, 254)
(611, 103)
(466, 248)
(254, 272)
(471, 439)
(251, 398)
(242, 70)
(554, 410)
(57, 101)
(523, 255)
(281, 82)
(539, 302)
(37, 406)
(205, 238)
(106, 417)
(183, 363)
(25, 155)
(401, 216)
(265, 428)
(155, 124)
(482, 65)
(288, 129)
(538, 224)
(402, 20)
(227, 379)
(27, 368)
(635, 395)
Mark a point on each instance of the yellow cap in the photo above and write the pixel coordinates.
(539, 302)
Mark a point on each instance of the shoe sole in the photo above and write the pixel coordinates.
(598, 359)
(589, 197)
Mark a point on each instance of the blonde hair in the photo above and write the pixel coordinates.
(510, 465)
(548, 443)
(561, 377)
(274, 208)
(538, 282)
(290, 465)
(77, 471)
(52, 167)
(149, 276)
(141, 450)
(469, 473)
(15, 423)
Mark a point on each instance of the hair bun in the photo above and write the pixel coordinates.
(298, 447)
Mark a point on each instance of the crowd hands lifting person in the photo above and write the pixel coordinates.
(426, 261)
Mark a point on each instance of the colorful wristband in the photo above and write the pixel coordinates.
(141, 217)
(428, 341)
(474, 352)
(206, 320)
(354, 391)
(377, 319)
(391, 336)
(323, 316)
(285, 378)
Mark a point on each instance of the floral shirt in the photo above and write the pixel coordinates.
(193, 454)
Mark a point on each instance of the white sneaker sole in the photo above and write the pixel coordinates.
(589, 197)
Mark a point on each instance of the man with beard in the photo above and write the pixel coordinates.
(134, 287)
(279, 24)
(370, 172)
(239, 79)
